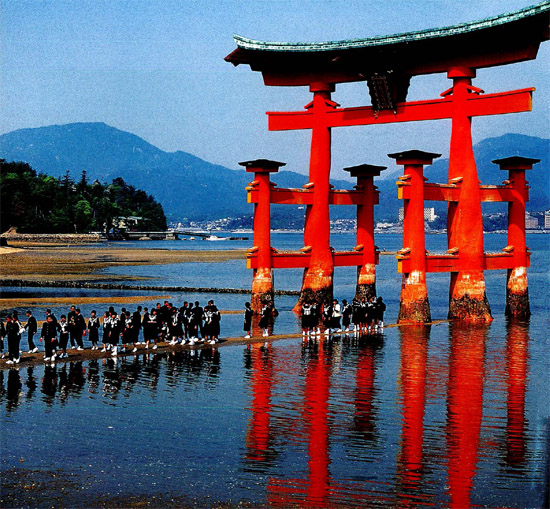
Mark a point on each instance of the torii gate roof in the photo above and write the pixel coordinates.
(499, 40)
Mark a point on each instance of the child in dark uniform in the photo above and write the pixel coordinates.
(265, 318)
(63, 328)
(49, 336)
(114, 333)
(248, 314)
(93, 329)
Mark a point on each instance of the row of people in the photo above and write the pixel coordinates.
(190, 323)
(362, 315)
(186, 325)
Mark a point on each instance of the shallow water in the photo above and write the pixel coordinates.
(447, 415)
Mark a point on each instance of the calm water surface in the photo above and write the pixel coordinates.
(447, 415)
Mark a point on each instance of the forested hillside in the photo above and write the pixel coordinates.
(37, 203)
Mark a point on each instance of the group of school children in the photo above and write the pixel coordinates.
(188, 324)
(362, 315)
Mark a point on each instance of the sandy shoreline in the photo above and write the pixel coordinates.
(75, 263)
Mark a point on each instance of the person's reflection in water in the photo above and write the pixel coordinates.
(31, 383)
(14, 389)
(151, 370)
(111, 378)
(76, 378)
(517, 360)
(211, 359)
(63, 383)
(175, 367)
(464, 408)
(2, 389)
(130, 373)
(259, 455)
(412, 375)
(93, 376)
(49, 384)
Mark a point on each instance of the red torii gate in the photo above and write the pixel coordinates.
(387, 64)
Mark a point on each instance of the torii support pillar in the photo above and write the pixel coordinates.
(366, 273)
(414, 306)
(517, 294)
(467, 296)
(262, 282)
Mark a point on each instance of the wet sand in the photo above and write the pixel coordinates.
(77, 263)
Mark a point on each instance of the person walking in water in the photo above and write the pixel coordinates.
(32, 329)
(114, 333)
(248, 314)
(13, 331)
(347, 311)
(265, 318)
(380, 308)
(49, 336)
(307, 324)
(327, 316)
(79, 329)
(93, 329)
(63, 329)
(106, 330)
(212, 318)
(151, 328)
(336, 316)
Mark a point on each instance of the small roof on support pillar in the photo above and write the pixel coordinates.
(516, 163)
(414, 156)
(499, 40)
(265, 165)
(365, 170)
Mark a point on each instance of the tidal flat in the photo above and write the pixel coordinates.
(79, 263)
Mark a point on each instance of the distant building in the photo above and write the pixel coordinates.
(129, 222)
(531, 222)
(429, 214)
(547, 219)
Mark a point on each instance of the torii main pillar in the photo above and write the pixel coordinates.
(318, 276)
(467, 296)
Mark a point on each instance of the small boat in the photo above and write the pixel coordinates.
(214, 237)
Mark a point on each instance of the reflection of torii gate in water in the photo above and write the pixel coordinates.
(387, 64)
(461, 383)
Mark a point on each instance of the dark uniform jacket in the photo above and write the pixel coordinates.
(49, 330)
(31, 325)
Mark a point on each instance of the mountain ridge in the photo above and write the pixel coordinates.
(191, 188)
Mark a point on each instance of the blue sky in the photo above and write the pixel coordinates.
(156, 69)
